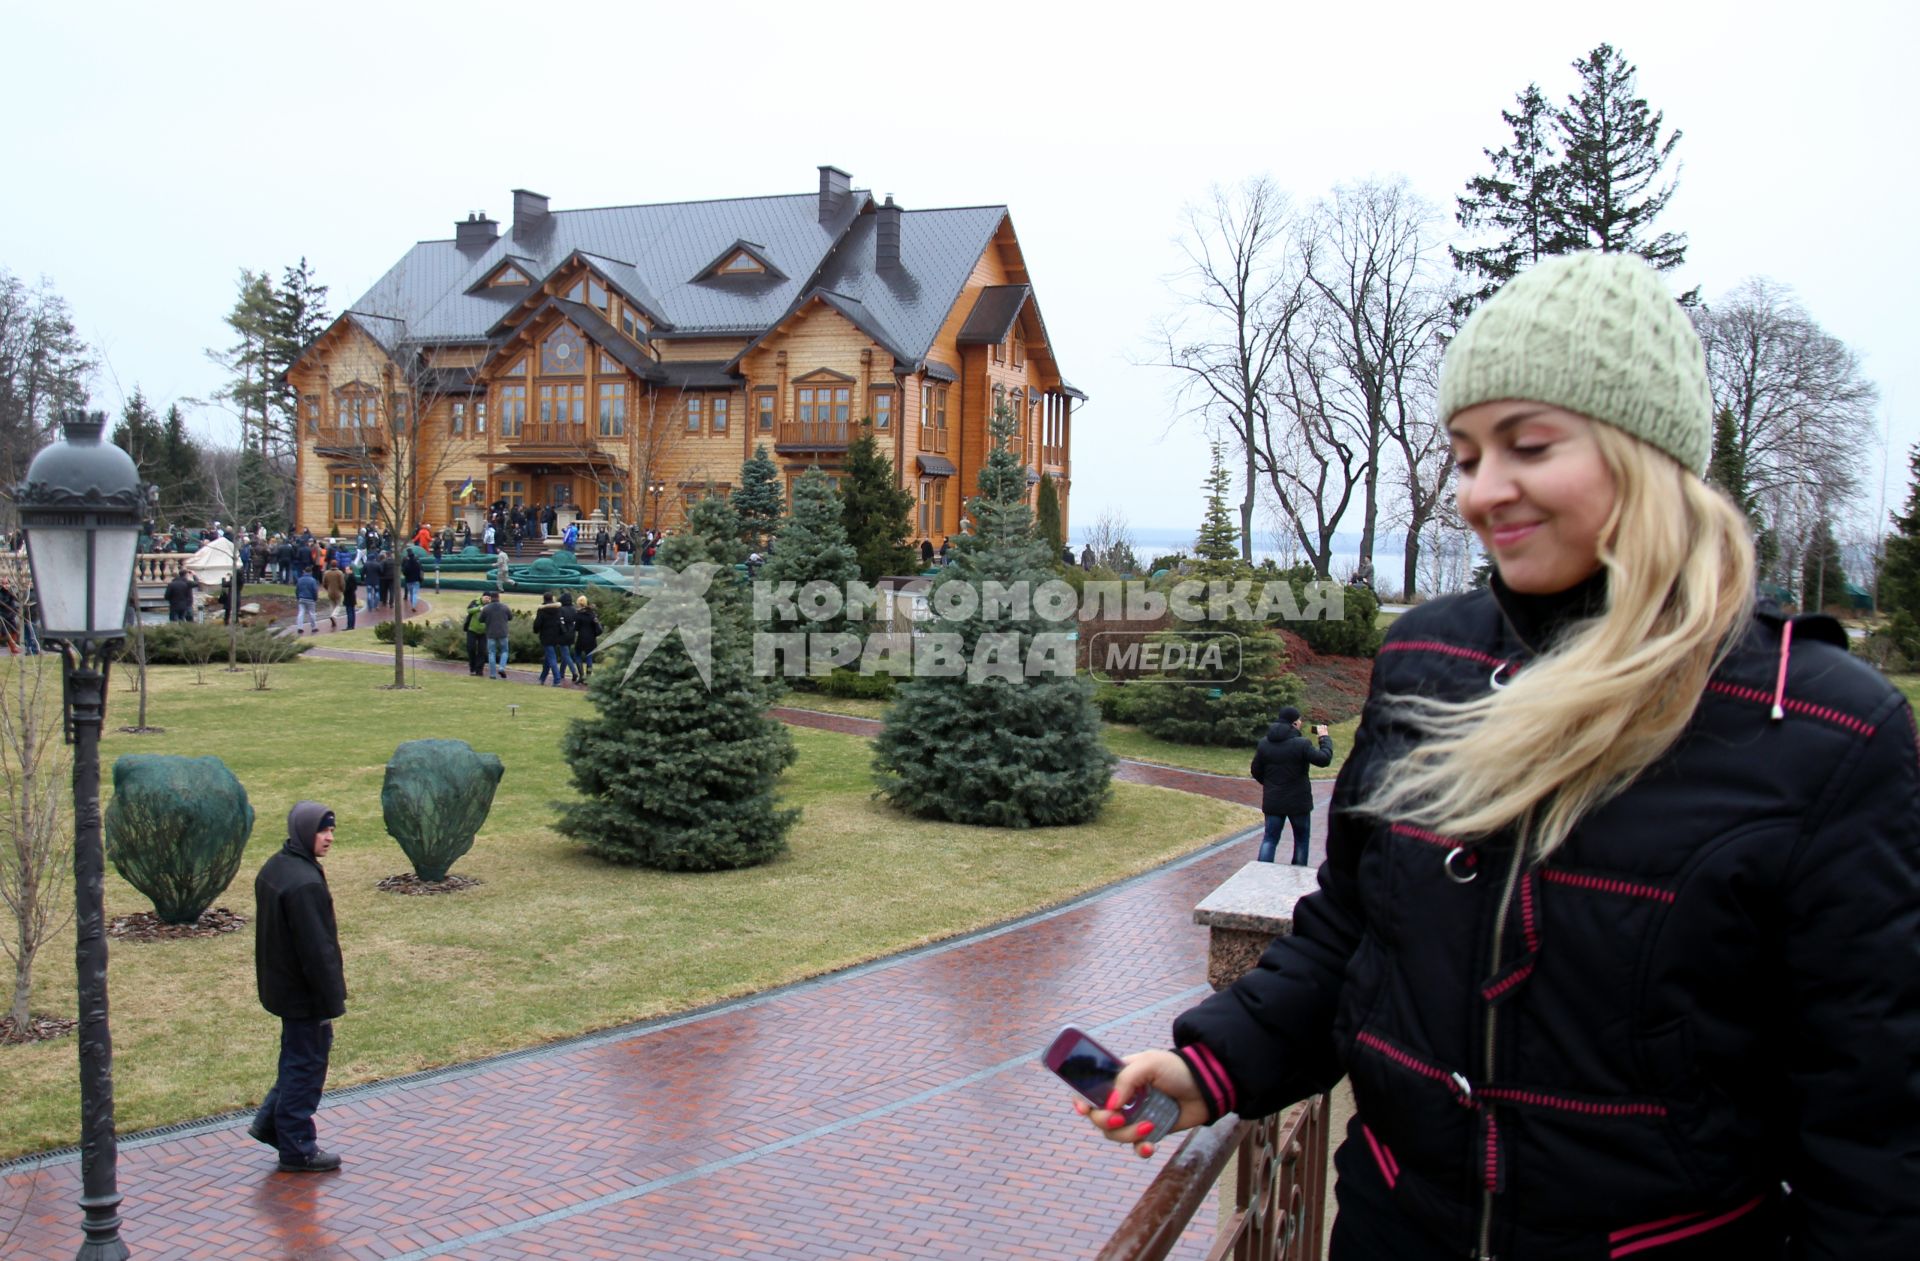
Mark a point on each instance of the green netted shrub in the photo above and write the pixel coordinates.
(183, 643)
(416, 633)
(435, 797)
(176, 829)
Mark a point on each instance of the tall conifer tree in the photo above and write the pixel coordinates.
(991, 750)
(758, 500)
(1613, 155)
(675, 773)
(1046, 509)
(1237, 678)
(1513, 202)
(813, 548)
(877, 513)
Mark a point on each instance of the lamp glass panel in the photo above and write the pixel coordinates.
(59, 559)
(113, 552)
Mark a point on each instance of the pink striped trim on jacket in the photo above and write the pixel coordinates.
(1625, 1244)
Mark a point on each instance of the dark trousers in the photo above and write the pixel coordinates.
(286, 1114)
(476, 653)
(1302, 831)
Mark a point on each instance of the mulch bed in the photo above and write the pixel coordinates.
(414, 887)
(39, 1029)
(1336, 686)
(146, 926)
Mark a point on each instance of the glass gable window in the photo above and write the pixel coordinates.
(513, 409)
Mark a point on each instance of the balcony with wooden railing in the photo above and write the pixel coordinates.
(350, 437)
(812, 435)
(1278, 1165)
(550, 437)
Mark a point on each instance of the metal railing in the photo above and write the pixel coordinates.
(1280, 1187)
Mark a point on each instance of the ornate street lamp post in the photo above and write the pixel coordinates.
(657, 489)
(81, 506)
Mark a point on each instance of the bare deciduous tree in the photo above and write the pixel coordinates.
(1112, 542)
(1225, 340)
(1803, 412)
(34, 857)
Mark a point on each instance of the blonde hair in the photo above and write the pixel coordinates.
(579, 602)
(1582, 721)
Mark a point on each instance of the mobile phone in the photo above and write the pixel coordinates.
(1090, 1069)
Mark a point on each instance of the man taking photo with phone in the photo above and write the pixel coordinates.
(1280, 764)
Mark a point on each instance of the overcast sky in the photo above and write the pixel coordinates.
(151, 151)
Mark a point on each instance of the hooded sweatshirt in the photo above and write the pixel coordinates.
(296, 946)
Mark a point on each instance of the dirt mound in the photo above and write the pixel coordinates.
(1336, 686)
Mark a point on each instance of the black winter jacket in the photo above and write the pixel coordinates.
(296, 947)
(553, 626)
(1280, 764)
(586, 629)
(1711, 988)
(410, 570)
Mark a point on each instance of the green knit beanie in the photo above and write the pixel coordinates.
(1597, 334)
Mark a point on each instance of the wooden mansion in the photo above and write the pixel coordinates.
(626, 360)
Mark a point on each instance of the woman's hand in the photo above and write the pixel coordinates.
(1164, 1071)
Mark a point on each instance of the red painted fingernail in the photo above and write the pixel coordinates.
(1146, 1150)
(1146, 1128)
(1115, 1121)
(1113, 1100)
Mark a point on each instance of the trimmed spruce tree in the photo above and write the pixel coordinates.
(759, 502)
(878, 514)
(676, 771)
(1898, 595)
(813, 547)
(1228, 675)
(980, 747)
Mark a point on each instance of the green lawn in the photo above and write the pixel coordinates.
(1908, 683)
(554, 943)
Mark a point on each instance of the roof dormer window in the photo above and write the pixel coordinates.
(742, 264)
(508, 274)
(743, 259)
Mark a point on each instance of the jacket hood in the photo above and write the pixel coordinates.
(303, 821)
(1284, 731)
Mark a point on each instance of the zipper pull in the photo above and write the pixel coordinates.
(1463, 1088)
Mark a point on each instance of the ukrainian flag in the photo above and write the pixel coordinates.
(466, 488)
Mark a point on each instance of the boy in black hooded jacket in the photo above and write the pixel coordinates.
(297, 964)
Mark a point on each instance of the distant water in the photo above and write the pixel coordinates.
(1150, 542)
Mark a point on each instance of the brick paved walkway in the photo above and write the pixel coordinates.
(895, 1110)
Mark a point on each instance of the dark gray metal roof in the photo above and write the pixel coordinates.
(698, 374)
(936, 465)
(993, 314)
(652, 252)
(937, 371)
(938, 249)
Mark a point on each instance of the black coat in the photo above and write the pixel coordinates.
(410, 570)
(296, 947)
(1711, 988)
(1280, 764)
(180, 594)
(586, 629)
(551, 624)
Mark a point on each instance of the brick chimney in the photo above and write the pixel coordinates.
(835, 184)
(886, 236)
(529, 212)
(475, 232)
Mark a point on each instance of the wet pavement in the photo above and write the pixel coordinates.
(892, 1110)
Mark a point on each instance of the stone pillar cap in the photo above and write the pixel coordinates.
(1258, 898)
